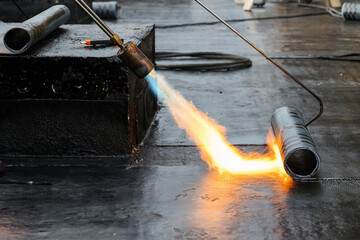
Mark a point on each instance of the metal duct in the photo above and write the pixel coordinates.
(23, 36)
(298, 151)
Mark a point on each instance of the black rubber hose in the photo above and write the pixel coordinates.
(226, 62)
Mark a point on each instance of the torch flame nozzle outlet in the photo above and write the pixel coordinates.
(135, 60)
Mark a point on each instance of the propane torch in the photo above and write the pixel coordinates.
(129, 53)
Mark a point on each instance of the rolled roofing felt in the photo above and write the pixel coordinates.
(300, 156)
(22, 37)
(351, 10)
(106, 10)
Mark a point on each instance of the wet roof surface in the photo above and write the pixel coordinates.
(167, 192)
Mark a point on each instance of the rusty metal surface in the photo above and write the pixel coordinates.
(135, 60)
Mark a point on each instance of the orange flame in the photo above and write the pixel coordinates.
(210, 138)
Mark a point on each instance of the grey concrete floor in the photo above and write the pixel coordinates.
(167, 192)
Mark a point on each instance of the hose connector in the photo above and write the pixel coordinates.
(117, 40)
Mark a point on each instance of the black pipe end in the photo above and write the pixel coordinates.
(17, 39)
(301, 162)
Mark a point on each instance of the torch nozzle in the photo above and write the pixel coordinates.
(135, 59)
